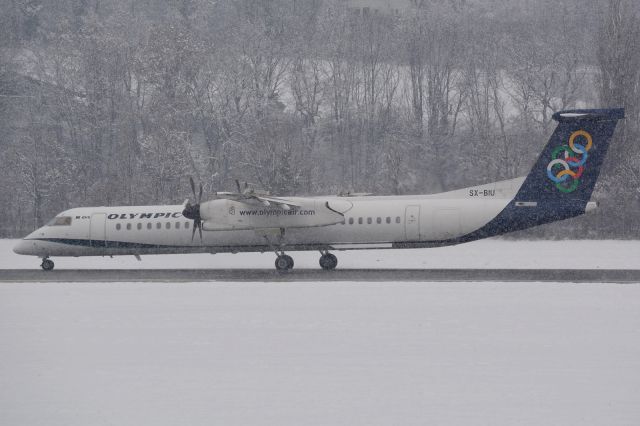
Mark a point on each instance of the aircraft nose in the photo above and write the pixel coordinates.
(24, 247)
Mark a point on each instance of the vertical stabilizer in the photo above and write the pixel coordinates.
(569, 165)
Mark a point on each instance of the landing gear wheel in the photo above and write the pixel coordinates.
(47, 264)
(328, 261)
(284, 262)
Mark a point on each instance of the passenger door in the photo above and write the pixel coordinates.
(412, 223)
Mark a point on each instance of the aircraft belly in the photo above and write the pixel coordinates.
(336, 234)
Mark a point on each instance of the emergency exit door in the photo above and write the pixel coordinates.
(412, 223)
(97, 230)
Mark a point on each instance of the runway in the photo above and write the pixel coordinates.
(622, 276)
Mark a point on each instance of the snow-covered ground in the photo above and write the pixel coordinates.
(326, 353)
(319, 354)
(492, 253)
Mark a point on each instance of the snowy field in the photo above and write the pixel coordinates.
(491, 253)
(319, 354)
(326, 353)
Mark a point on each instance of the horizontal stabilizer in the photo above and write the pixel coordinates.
(589, 115)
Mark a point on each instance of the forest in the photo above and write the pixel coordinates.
(118, 102)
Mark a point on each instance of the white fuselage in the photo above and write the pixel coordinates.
(365, 222)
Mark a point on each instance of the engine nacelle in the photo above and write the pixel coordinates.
(229, 215)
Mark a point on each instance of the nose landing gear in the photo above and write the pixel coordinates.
(47, 264)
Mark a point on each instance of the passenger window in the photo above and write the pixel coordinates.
(139, 226)
(359, 221)
(388, 219)
(397, 219)
(379, 220)
(186, 225)
(118, 226)
(158, 225)
(168, 225)
(128, 227)
(350, 221)
(369, 220)
(149, 225)
(177, 225)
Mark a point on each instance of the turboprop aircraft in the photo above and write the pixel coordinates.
(558, 187)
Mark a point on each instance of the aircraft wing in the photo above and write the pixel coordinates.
(253, 199)
(280, 202)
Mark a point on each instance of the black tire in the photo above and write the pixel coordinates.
(328, 261)
(47, 264)
(284, 262)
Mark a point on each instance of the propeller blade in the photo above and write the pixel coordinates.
(193, 211)
(238, 185)
(193, 186)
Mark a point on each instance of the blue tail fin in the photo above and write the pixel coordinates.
(568, 168)
(560, 183)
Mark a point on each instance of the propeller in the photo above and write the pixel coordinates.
(192, 211)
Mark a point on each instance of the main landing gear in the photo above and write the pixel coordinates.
(328, 261)
(47, 264)
(284, 262)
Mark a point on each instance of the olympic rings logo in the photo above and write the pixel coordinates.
(565, 172)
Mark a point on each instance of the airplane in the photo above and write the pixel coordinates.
(558, 187)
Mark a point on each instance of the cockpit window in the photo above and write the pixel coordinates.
(60, 221)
